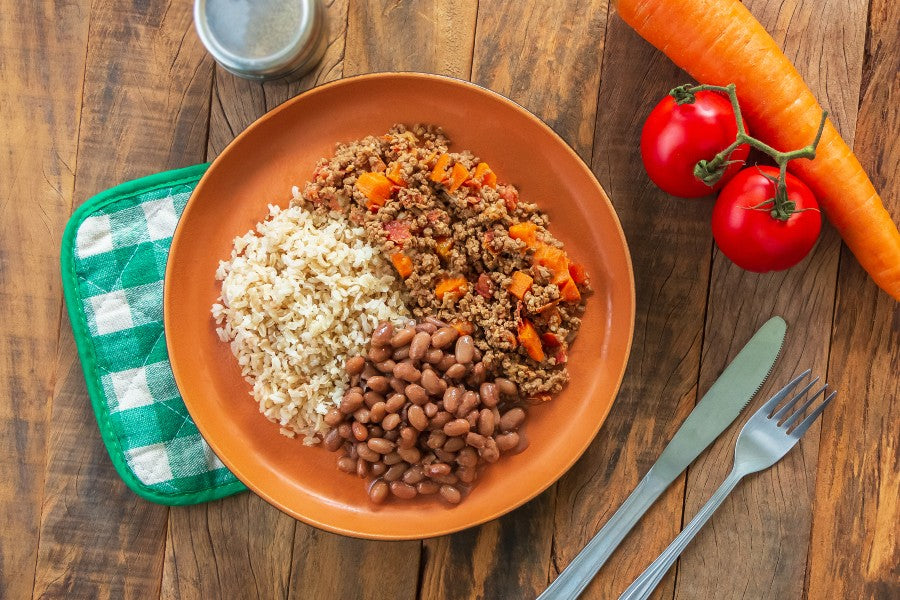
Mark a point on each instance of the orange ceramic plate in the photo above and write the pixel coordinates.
(281, 150)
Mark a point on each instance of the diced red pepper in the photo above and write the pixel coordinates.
(510, 196)
(551, 340)
(484, 286)
(557, 346)
(397, 231)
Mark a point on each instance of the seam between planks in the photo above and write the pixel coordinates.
(59, 320)
(687, 471)
(842, 249)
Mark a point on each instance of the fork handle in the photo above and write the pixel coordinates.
(644, 585)
(575, 577)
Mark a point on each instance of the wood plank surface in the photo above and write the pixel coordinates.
(855, 547)
(40, 116)
(659, 388)
(433, 36)
(508, 558)
(145, 109)
(760, 536)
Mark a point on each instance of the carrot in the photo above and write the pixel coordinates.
(720, 42)
(521, 283)
(555, 260)
(568, 291)
(374, 186)
(402, 263)
(457, 176)
(451, 285)
(529, 339)
(525, 231)
(395, 174)
(439, 172)
(484, 175)
(577, 272)
(442, 246)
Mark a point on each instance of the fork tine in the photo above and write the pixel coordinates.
(772, 402)
(790, 404)
(800, 411)
(802, 427)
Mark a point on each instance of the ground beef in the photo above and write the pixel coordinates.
(463, 233)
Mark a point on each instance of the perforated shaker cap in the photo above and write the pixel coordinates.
(262, 39)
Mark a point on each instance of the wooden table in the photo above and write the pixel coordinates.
(100, 92)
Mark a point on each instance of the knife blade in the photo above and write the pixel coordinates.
(718, 408)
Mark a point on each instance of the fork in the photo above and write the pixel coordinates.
(764, 440)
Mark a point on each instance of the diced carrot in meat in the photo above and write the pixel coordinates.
(554, 259)
(439, 173)
(442, 246)
(544, 308)
(526, 231)
(452, 285)
(376, 187)
(578, 274)
(457, 176)
(463, 327)
(569, 291)
(484, 286)
(521, 283)
(397, 231)
(484, 175)
(402, 263)
(529, 339)
(395, 174)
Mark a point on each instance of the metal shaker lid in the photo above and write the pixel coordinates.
(262, 39)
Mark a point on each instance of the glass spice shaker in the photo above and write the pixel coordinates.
(262, 39)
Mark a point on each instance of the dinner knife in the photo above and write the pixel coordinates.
(718, 408)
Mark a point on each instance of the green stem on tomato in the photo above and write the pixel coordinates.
(711, 171)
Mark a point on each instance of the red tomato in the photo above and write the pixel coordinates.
(751, 237)
(676, 137)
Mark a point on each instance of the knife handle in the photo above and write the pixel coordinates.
(575, 577)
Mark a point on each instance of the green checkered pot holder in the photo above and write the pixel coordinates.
(114, 253)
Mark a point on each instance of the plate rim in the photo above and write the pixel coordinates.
(179, 234)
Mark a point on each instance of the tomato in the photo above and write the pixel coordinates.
(751, 237)
(675, 137)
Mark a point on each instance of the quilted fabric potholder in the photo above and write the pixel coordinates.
(114, 254)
